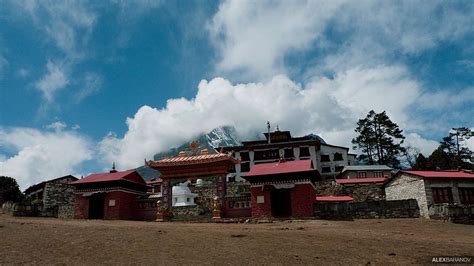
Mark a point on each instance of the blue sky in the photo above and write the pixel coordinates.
(85, 83)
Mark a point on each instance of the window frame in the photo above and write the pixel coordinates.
(361, 174)
(466, 195)
(324, 161)
(378, 174)
(441, 195)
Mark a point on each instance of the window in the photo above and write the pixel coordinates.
(304, 152)
(268, 154)
(361, 174)
(326, 169)
(325, 158)
(245, 167)
(289, 153)
(338, 156)
(188, 199)
(244, 156)
(339, 168)
(378, 174)
(232, 169)
(442, 195)
(466, 195)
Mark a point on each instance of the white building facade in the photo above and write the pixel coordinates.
(329, 160)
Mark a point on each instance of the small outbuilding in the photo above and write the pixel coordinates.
(432, 187)
(365, 171)
(54, 197)
(283, 189)
(111, 195)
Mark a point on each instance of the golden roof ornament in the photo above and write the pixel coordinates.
(193, 146)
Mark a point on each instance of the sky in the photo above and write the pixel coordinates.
(87, 83)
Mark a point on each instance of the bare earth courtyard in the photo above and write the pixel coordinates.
(397, 241)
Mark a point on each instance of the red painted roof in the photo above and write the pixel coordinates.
(334, 198)
(154, 181)
(193, 159)
(281, 168)
(440, 174)
(361, 180)
(130, 176)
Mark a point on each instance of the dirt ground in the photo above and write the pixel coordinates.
(397, 241)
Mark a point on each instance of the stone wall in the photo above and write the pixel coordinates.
(18, 209)
(66, 212)
(190, 213)
(238, 189)
(367, 210)
(386, 209)
(408, 187)
(359, 191)
(328, 188)
(206, 194)
(453, 213)
(333, 211)
(58, 193)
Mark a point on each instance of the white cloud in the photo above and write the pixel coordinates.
(425, 146)
(129, 9)
(68, 24)
(54, 80)
(40, 155)
(254, 37)
(91, 84)
(329, 107)
(57, 126)
(23, 73)
(446, 98)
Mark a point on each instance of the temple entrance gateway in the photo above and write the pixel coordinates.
(281, 202)
(96, 206)
(191, 166)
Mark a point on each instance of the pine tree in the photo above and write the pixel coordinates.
(421, 163)
(9, 190)
(379, 139)
(453, 145)
(439, 160)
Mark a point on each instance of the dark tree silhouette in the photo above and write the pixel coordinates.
(379, 139)
(9, 190)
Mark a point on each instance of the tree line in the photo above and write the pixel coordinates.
(381, 142)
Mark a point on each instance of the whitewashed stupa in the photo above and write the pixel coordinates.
(182, 195)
